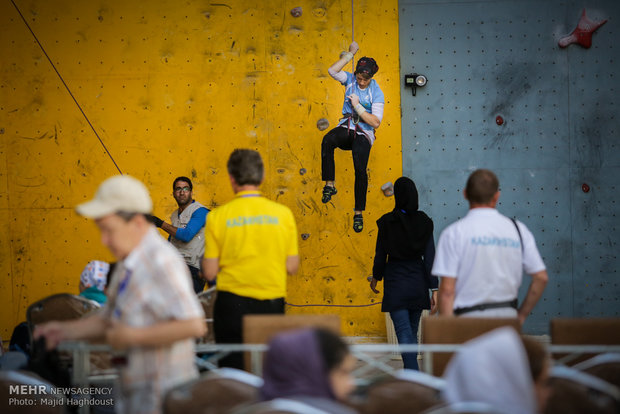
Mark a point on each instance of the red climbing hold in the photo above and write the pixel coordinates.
(583, 32)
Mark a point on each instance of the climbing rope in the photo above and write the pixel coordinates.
(352, 34)
(66, 86)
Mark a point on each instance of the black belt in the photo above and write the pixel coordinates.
(484, 306)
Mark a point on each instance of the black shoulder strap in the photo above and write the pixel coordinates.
(518, 231)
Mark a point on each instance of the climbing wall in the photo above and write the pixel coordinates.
(165, 88)
(501, 94)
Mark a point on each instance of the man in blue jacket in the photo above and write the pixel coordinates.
(187, 228)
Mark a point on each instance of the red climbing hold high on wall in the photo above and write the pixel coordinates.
(583, 32)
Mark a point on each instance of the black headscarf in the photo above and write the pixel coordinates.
(405, 231)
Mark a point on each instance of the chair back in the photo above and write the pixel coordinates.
(584, 331)
(457, 330)
(59, 307)
(259, 329)
(604, 366)
(467, 407)
(216, 392)
(281, 406)
(207, 300)
(573, 392)
(29, 388)
(65, 307)
(409, 392)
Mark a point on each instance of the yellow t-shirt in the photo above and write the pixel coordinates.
(252, 237)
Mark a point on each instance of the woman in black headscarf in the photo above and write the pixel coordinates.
(403, 259)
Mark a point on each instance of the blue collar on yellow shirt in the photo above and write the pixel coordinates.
(251, 193)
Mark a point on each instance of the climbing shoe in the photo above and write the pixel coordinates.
(358, 223)
(328, 192)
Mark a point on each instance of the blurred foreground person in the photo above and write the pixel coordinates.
(151, 312)
(312, 366)
(501, 369)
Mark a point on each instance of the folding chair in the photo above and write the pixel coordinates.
(457, 330)
(603, 366)
(216, 392)
(575, 392)
(207, 300)
(280, 406)
(469, 407)
(59, 307)
(408, 392)
(64, 307)
(44, 401)
(584, 331)
(259, 329)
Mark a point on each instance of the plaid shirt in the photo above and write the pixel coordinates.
(153, 285)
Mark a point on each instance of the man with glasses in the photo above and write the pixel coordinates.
(187, 228)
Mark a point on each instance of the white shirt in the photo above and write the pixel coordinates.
(483, 252)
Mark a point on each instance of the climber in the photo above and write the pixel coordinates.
(362, 113)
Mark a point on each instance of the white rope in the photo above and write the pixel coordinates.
(352, 35)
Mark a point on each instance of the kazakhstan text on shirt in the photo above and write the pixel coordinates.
(251, 220)
(495, 241)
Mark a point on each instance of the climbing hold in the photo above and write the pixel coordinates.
(322, 124)
(585, 188)
(302, 171)
(296, 12)
(499, 120)
(388, 189)
(582, 34)
(319, 12)
(304, 236)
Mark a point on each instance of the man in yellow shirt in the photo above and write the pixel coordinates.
(251, 246)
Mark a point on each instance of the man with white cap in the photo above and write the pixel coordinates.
(152, 311)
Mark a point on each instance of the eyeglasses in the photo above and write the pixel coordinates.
(182, 190)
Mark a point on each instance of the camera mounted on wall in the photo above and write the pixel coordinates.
(415, 81)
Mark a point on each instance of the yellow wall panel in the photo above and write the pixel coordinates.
(171, 88)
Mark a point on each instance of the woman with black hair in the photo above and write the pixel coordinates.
(362, 113)
(403, 259)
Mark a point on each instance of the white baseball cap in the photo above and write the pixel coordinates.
(118, 193)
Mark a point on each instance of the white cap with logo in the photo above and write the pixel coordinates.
(118, 193)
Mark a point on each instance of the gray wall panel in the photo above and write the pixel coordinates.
(595, 249)
(560, 108)
(595, 156)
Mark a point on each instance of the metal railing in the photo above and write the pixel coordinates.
(374, 356)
